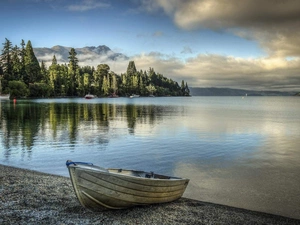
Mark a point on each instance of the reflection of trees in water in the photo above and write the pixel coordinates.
(20, 126)
(24, 122)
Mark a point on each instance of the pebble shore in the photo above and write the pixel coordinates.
(30, 197)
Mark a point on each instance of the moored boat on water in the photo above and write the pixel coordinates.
(89, 96)
(134, 96)
(101, 188)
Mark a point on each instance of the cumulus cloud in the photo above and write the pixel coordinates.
(209, 70)
(118, 65)
(257, 74)
(273, 23)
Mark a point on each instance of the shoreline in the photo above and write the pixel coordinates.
(31, 197)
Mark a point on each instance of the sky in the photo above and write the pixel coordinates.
(246, 44)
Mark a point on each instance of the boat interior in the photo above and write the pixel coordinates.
(140, 174)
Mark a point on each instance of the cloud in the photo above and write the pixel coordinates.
(273, 23)
(209, 70)
(86, 5)
(256, 74)
(47, 58)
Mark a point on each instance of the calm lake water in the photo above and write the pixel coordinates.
(242, 152)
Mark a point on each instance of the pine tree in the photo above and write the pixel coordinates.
(16, 64)
(105, 86)
(73, 72)
(44, 73)
(182, 87)
(114, 83)
(32, 66)
(101, 72)
(131, 69)
(187, 90)
(6, 63)
(53, 76)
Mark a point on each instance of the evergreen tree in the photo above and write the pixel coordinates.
(54, 76)
(152, 76)
(73, 73)
(105, 86)
(64, 80)
(32, 66)
(114, 83)
(44, 74)
(16, 64)
(187, 90)
(86, 83)
(6, 63)
(101, 72)
(182, 87)
(131, 69)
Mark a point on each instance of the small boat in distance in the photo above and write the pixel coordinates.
(134, 96)
(89, 96)
(100, 188)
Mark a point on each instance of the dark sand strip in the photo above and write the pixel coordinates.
(29, 197)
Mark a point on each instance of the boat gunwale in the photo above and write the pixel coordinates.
(106, 171)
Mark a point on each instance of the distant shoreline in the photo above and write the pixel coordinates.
(213, 91)
(30, 197)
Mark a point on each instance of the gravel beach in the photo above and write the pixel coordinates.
(30, 197)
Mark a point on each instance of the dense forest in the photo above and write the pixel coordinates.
(22, 75)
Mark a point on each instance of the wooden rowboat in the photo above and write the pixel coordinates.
(100, 188)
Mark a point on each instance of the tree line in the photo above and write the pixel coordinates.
(22, 75)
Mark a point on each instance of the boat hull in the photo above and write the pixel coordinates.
(134, 96)
(116, 188)
(89, 96)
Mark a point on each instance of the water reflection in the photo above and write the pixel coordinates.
(24, 121)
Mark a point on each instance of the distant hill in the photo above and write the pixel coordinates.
(83, 54)
(211, 91)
